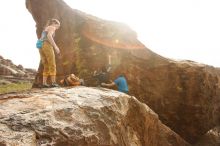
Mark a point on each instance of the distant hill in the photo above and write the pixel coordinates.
(9, 72)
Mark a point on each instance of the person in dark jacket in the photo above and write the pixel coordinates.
(103, 75)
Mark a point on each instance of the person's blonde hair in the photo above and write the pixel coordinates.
(52, 21)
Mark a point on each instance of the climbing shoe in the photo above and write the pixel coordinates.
(45, 86)
(54, 85)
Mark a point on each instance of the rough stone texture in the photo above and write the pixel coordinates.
(8, 68)
(81, 116)
(211, 138)
(184, 94)
(11, 73)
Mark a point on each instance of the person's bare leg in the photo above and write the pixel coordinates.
(53, 81)
(45, 85)
(44, 80)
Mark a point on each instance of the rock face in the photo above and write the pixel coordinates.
(81, 116)
(211, 138)
(8, 68)
(11, 73)
(184, 94)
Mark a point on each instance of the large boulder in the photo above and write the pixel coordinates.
(184, 94)
(81, 116)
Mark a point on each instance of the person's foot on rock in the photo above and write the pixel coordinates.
(45, 86)
(54, 85)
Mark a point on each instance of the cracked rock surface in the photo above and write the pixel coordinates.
(80, 116)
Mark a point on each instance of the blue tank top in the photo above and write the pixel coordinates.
(44, 35)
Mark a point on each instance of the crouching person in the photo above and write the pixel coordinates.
(102, 75)
(71, 80)
(120, 82)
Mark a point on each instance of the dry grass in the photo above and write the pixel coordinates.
(15, 87)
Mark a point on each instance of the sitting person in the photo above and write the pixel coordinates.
(120, 82)
(71, 80)
(102, 76)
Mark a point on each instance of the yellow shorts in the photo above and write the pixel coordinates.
(48, 59)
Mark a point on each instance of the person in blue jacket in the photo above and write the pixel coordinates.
(120, 82)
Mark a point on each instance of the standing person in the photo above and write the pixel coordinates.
(120, 82)
(47, 52)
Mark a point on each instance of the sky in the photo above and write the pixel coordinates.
(176, 29)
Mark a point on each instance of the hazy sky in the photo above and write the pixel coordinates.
(178, 29)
